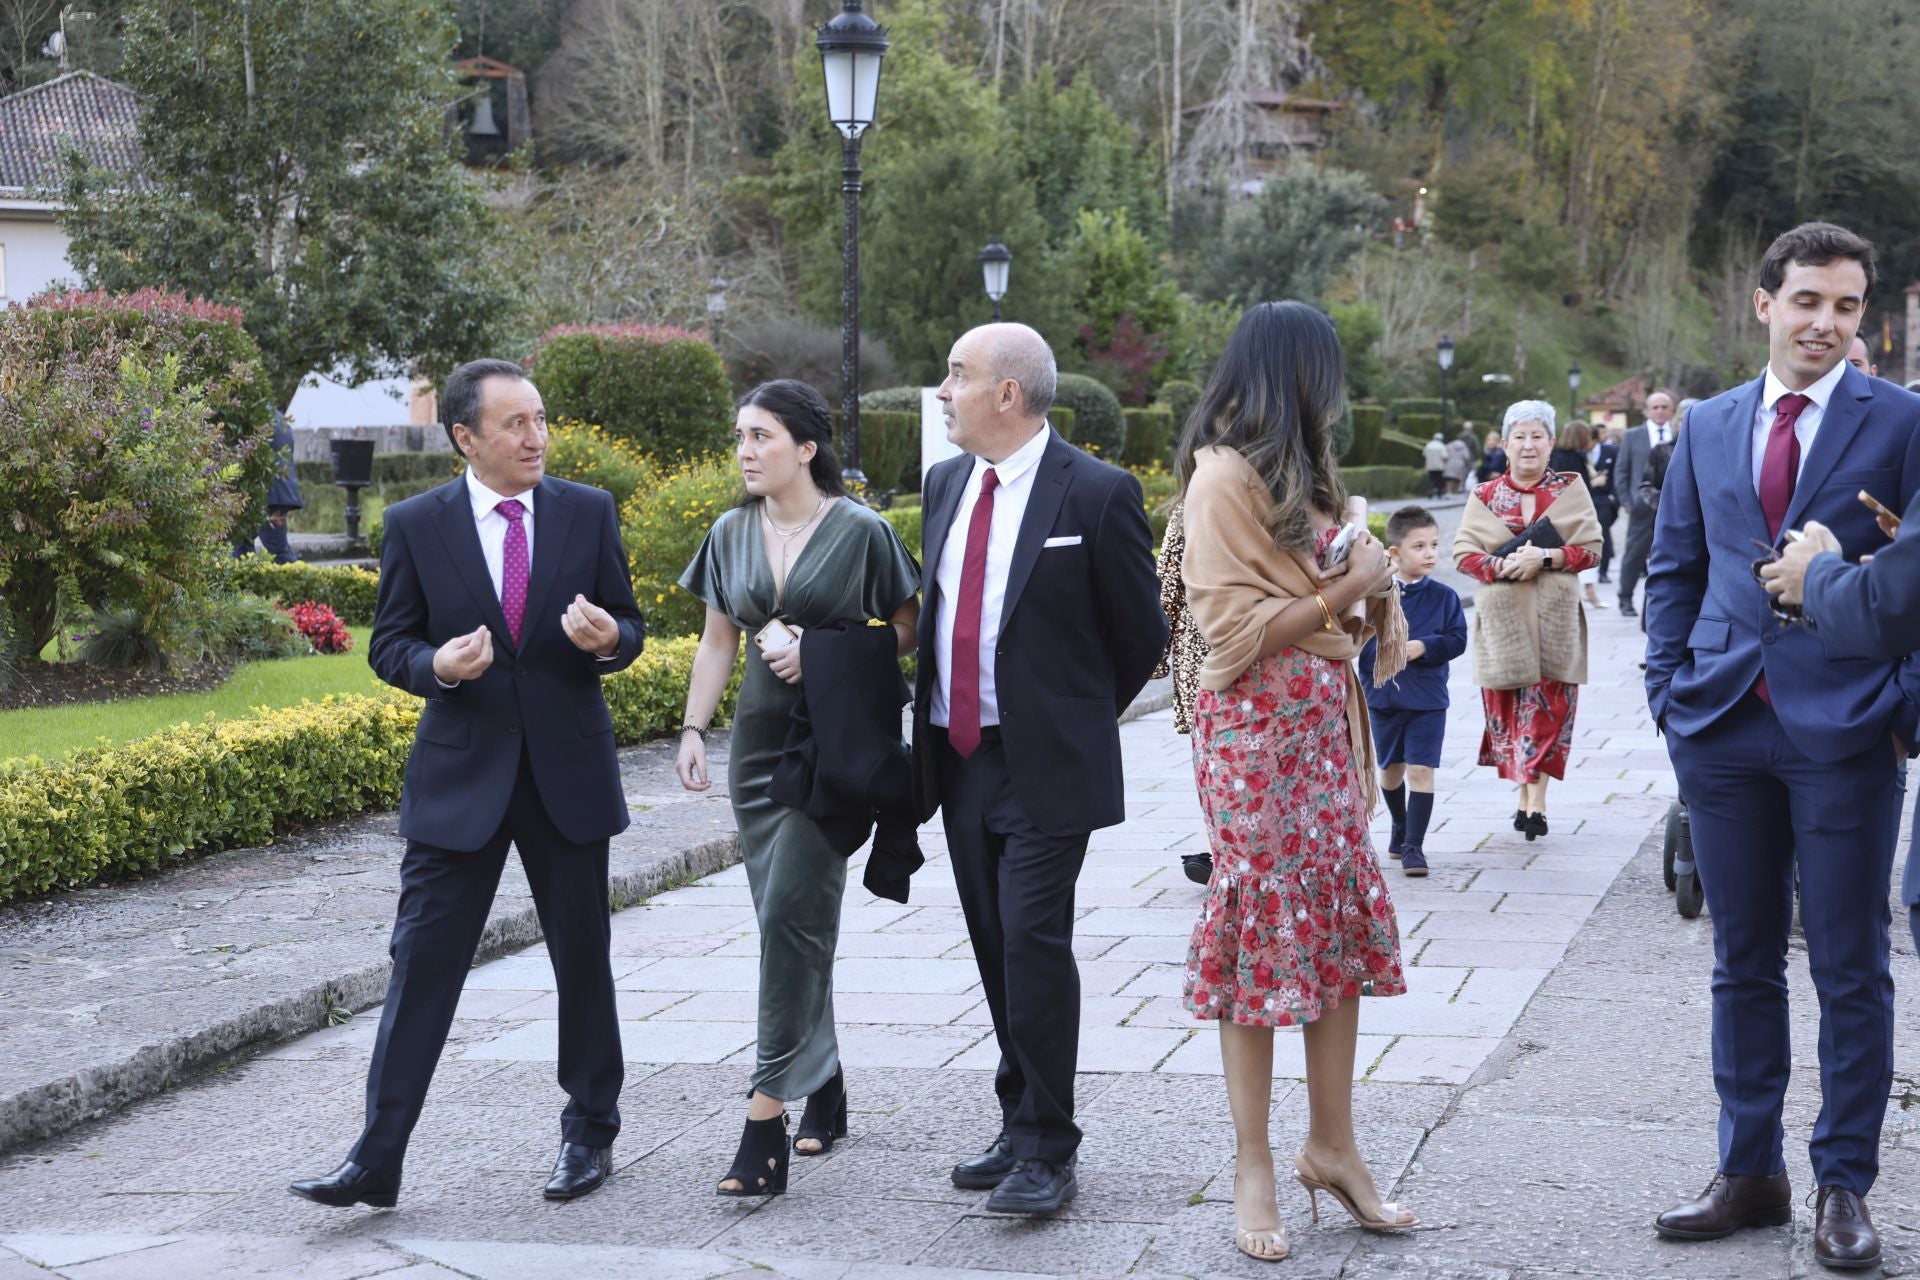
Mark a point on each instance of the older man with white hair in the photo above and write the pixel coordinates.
(1046, 623)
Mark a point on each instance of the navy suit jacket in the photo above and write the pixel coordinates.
(1080, 634)
(1874, 610)
(1710, 633)
(541, 697)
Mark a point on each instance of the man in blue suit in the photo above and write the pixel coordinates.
(1786, 745)
(504, 598)
(1871, 609)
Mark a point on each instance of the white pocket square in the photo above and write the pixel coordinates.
(1071, 540)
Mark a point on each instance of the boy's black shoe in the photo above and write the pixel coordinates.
(1413, 862)
(1397, 841)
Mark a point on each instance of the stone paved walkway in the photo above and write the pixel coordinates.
(191, 1184)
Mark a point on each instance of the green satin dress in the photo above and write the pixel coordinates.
(853, 568)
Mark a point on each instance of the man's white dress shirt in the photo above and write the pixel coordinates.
(1015, 473)
(1804, 427)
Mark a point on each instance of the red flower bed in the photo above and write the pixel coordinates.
(323, 630)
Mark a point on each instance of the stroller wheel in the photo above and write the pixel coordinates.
(1676, 816)
(1687, 895)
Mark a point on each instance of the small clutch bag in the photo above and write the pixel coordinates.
(1540, 533)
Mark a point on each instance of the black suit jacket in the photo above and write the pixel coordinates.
(1080, 633)
(542, 697)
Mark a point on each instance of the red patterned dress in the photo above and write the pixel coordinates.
(1297, 917)
(1529, 731)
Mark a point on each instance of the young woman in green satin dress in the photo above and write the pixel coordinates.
(800, 550)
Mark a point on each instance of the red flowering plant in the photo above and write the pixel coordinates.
(321, 627)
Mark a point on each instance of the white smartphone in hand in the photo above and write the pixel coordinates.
(1341, 545)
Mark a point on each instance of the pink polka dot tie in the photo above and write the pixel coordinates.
(513, 567)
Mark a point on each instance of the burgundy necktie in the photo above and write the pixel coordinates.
(513, 568)
(1779, 469)
(963, 693)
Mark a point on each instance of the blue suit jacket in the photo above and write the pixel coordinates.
(1874, 610)
(1710, 632)
(541, 697)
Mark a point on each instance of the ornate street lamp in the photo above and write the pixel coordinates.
(1445, 353)
(1573, 387)
(995, 261)
(851, 47)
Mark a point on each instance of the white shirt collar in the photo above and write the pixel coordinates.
(484, 500)
(1020, 461)
(1820, 392)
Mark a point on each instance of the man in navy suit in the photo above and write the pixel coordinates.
(1786, 744)
(504, 598)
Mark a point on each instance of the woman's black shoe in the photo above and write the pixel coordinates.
(1198, 866)
(825, 1117)
(760, 1165)
(1536, 825)
(1520, 821)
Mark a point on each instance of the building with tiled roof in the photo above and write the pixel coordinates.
(79, 111)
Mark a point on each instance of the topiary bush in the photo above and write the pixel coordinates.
(662, 390)
(1397, 450)
(1380, 483)
(588, 454)
(906, 522)
(1099, 427)
(1149, 437)
(1181, 398)
(1369, 420)
(1343, 432)
(889, 448)
(1419, 426)
(895, 399)
(663, 525)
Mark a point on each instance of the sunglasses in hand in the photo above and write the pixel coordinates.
(1769, 554)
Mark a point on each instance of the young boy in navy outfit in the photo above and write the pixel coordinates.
(1409, 712)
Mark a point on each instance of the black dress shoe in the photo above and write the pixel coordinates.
(579, 1169)
(1198, 867)
(1730, 1203)
(1034, 1186)
(988, 1169)
(1628, 611)
(1843, 1234)
(350, 1185)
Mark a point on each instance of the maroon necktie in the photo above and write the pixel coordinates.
(513, 567)
(1778, 471)
(963, 693)
(1781, 465)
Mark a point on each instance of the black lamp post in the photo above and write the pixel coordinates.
(995, 262)
(1445, 353)
(352, 471)
(1573, 388)
(851, 47)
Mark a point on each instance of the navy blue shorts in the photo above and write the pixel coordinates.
(1408, 737)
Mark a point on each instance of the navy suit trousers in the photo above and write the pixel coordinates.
(1760, 810)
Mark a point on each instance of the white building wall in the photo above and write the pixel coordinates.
(33, 256)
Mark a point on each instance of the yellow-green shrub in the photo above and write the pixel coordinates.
(349, 591)
(663, 525)
(198, 788)
(588, 454)
(906, 522)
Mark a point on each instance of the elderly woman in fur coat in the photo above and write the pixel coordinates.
(1526, 536)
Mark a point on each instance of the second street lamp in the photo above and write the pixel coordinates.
(995, 262)
(1445, 353)
(851, 47)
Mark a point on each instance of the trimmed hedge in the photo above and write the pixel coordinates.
(891, 399)
(1099, 426)
(889, 447)
(906, 522)
(664, 391)
(1181, 398)
(199, 788)
(1377, 483)
(1369, 420)
(348, 591)
(1149, 437)
(1397, 450)
(1418, 406)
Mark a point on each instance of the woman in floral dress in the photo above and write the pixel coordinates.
(1297, 922)
(1530, 635)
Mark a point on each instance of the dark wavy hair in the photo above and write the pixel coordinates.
(1275, 395)
(803, 412)
(1815, 244)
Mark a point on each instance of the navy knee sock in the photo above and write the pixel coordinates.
(1396, 798)
(1419, 813)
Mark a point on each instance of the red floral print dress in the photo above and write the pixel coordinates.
(1529, 731)
(1297, 917)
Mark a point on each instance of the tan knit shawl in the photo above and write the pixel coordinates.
(1237, 581)
(1526, 632)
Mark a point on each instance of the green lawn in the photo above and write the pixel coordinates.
(54, 732)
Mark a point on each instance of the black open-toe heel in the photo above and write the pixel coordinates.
(825, 1118)
(760, 1165)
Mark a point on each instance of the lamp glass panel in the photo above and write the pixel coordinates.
(839, 71)
(996, 273)
(866, 88)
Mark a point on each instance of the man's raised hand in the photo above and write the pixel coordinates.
(464, 657)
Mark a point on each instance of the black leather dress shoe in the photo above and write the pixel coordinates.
(1034, 1186)
(1843, 1234)
(1628, 611)
(350, 1185)
(1730, 1203)
(988, 1169)
(579, 1169)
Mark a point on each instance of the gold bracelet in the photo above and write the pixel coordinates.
(1326, 613)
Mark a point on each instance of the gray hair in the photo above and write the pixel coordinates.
(1019, 353)
(1527, 411)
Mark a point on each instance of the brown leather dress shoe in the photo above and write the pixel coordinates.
(1843, 1234)
(1730, 1203)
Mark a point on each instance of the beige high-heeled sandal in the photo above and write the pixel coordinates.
(1394, 1218)
(1252, 1241)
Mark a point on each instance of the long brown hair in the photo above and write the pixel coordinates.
(1275, 395)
